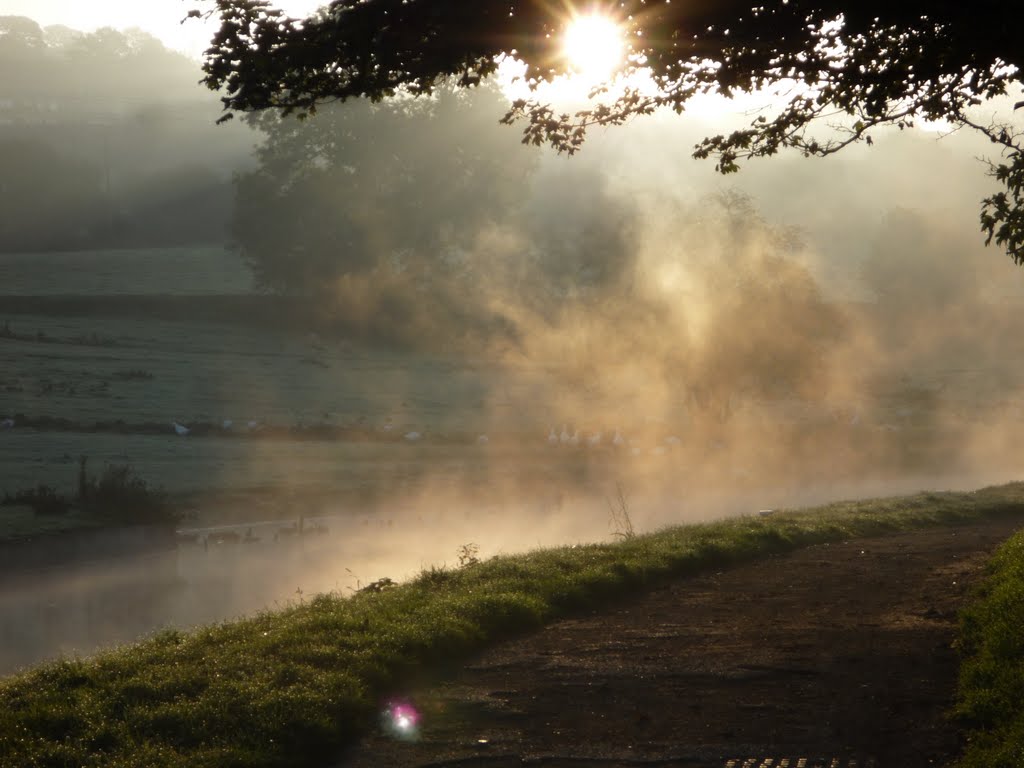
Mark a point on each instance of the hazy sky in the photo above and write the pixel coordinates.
(158, 17)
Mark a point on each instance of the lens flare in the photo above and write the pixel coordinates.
(401, 720)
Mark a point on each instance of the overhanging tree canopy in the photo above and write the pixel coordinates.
(867, 63)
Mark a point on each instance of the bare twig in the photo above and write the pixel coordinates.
(620, 518)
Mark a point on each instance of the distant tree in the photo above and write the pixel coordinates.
(48, 198)
(116, 63)
(20, 36)
(93, 127)
(855, 66)
(105, 44)
(401, 187)
(581, 234)
(60, 35)
(152, 208)
(23, 50)
(85, 71)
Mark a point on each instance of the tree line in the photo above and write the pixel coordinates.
(106, 141)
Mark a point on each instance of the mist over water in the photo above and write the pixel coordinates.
(219, 573)
(553, 330)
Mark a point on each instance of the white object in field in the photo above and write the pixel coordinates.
(618, 440)
(388, 427)
(594, 440)
(412, 437)
(575, 439)
(552, 437)
(253, 424)
(180, 429)
(7, 423)
(565, 437)
(227, 423)
(483, 440)
(855, 419)
(766, 512)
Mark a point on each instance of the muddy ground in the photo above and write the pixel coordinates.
(837, 654)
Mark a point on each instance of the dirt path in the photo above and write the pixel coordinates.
(838, 653)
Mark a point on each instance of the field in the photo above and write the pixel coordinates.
(128, 342)
(108, 367)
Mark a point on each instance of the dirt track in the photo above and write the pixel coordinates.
(837, 652)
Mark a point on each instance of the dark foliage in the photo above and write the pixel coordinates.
(121, 496)
(43, 500)
(375, 190)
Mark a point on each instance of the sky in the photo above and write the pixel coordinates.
(160, 18)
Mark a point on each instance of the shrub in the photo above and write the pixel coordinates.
(43, 500)
(121, 496)
(469, 555)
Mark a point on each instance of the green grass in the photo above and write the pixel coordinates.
(991, 686)
(290, 688)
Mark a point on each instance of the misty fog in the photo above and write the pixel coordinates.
(625, 319)
(108, 141)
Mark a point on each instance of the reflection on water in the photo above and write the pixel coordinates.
(208, 576)
(117, 586)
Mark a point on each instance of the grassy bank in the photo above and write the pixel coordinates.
(991, 686)
(289, 688)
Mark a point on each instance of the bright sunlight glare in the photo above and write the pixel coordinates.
(593, 46)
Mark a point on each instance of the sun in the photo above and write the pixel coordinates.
(593, 46)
